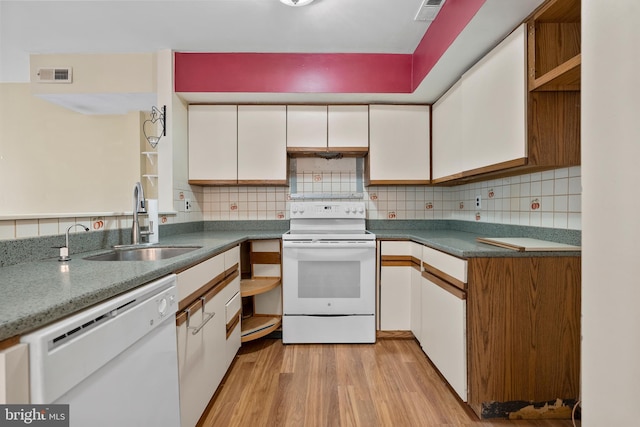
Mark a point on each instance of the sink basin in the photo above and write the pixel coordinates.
(145, 253)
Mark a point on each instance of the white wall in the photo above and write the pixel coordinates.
(611, 204)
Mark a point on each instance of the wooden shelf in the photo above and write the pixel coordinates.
(554, 44)
(250, 287)
(564, 77)
(259, 325)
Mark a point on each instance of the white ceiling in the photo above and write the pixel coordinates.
(335, 26)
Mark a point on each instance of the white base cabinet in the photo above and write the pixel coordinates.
(400, 261)
(208, 330)
(444, 338)
(444, 309)
(14, 374)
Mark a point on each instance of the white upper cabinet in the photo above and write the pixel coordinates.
(213, 139)
(398, 144)
(307, 126)
(447, 142)
(494, 105)
(262, 144)
(480, 124)
(348, 126)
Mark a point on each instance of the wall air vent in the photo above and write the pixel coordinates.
(428, 10)
(54, 75)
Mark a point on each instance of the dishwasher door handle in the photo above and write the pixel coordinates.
(208, 317)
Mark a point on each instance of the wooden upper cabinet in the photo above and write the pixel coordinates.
(213, 139)
(398, 145)
(262, 145)
(554, 47)
(306, 127)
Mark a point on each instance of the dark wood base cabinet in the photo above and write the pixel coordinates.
(523, 330)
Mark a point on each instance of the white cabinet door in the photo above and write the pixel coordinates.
(494, 105)
(447, 141)
(213, 143)
(395, 298)
(444, 334)
(348, 126)
(307, 126)
(399, 144)
(262, 144)
(416, 291)
(395, 287)
(197, 355)
(14, 374)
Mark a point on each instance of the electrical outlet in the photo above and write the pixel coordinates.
(478, 202)
(187, 205)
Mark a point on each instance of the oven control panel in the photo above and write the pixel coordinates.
(328, 210)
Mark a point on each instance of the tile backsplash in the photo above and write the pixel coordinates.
(543, 199)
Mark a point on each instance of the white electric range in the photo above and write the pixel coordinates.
(328, 277)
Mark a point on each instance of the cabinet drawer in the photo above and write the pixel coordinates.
(232, 257)
(395, 247)
(445, 266)
(232, 307)
(192, 280)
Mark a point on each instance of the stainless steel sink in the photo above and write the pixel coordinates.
(143, 253)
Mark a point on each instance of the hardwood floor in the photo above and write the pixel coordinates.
(390, 383)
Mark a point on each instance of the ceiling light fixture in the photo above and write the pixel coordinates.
(156, 116)
(296, 2)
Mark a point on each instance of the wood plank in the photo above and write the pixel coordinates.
(259, 325)
(389, 383)
(249, 287)
(265, 258)
(564, 77)
(452, 289)
(523, 329)
(554, 129)
(428, 268)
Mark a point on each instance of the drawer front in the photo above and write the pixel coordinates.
(396, 247)
(437, 262)
(191, 280)
(232, 257)
(232, 307)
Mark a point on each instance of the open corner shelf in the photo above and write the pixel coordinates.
(554, 34)
(259, 325)
(250, 287)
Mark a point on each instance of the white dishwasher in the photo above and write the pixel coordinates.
(115, 364)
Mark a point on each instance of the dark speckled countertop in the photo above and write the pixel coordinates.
(39, 292)
(460, 243)
(36, 293)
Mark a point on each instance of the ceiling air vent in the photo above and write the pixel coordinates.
(428, 10)
(54, 75)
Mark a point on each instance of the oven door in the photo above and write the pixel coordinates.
(328, 277)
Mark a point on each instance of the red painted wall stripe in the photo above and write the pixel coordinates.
(292, 73)
(452, 19)
(324, 72)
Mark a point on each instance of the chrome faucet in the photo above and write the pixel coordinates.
(64, 251)
(138, 208)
